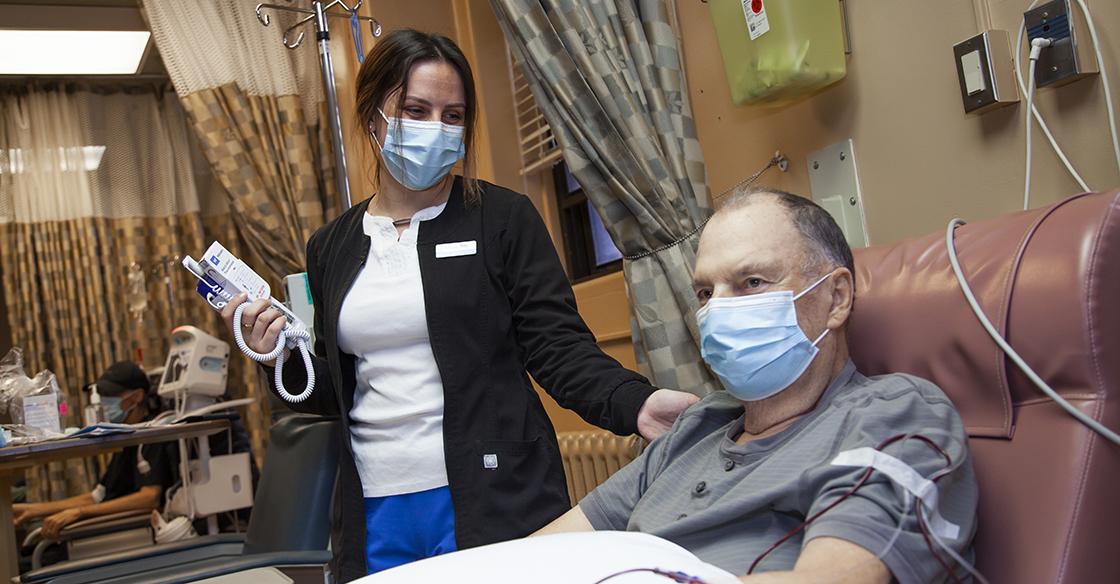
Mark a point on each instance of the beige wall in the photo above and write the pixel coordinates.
(920, 159)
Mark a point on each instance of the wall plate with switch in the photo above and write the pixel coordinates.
(985, 71)
(835, 186)
(1070, 57)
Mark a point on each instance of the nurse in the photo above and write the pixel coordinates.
(433, 299)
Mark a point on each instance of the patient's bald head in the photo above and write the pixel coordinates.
(823, 242)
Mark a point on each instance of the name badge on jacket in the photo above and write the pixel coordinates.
(454, 250)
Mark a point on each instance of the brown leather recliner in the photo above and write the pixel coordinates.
(1049, 279)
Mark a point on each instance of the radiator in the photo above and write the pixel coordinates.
(590, 456)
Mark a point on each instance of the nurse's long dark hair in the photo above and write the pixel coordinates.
(386, 70)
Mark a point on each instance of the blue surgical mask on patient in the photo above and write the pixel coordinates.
(113, 411)
(754, 344)
(419, 154)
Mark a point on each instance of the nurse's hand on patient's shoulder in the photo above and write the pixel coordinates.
(661, 409)
(260, 324)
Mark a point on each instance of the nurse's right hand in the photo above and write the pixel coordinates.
(260, 324)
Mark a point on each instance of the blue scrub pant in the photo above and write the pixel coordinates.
(405, 528)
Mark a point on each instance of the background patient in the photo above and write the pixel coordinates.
(746, 467)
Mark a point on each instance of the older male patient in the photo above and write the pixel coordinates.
(747, 467)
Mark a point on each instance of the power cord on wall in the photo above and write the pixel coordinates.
(1036, 49)
(1032, 110)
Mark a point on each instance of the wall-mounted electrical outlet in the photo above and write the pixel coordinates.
(1070, 56)
(985, 71)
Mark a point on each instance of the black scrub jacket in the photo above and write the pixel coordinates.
(493, 315)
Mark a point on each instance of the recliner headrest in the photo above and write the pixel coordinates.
(1048, 279)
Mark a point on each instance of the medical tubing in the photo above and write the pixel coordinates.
(679, 577)
(1006, 347)
(949, 571)
(859, 484)
(1104, 81)
(1037, 115)
(926, 532)
(292, 336)
(949, 550)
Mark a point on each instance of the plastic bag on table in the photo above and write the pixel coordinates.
(30, 401)
(20, 435)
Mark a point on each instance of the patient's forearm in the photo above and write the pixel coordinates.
(573, 520)
(51, 507)
(145, 499)
(828, 559)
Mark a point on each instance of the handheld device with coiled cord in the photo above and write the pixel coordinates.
(221, 277)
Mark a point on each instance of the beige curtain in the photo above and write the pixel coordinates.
(98, 199)
(255, 107)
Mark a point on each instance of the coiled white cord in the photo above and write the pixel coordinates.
(1003, 344)
(294, 336)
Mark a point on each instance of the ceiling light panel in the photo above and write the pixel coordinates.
(72, 52)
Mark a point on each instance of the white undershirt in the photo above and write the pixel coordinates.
(396, 424)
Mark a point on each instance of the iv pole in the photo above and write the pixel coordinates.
(319, 13)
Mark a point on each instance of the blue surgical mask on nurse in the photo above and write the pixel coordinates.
(417, 153)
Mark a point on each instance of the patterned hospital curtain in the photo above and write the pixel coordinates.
(608, 76)
(94, 186)
(255, 108)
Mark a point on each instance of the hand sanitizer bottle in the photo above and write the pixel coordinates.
(93, 413)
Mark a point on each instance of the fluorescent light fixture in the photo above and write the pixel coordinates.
(72, 52)
(70, 159)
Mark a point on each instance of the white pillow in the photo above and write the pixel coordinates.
(564, 558)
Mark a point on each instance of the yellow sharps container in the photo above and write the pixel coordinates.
(777, 50)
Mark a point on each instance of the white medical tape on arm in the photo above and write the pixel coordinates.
(98, 493)
(905, 476)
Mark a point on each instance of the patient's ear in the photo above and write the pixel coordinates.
(843, 293)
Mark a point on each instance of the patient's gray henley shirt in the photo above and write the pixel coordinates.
(727, 503)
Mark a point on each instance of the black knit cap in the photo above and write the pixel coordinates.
(121, 377)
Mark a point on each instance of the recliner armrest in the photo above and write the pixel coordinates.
(172, 553)
(105, 524)
(222, 566)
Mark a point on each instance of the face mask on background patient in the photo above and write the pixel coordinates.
(754, 344)
(419, 154)
(113, 411)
